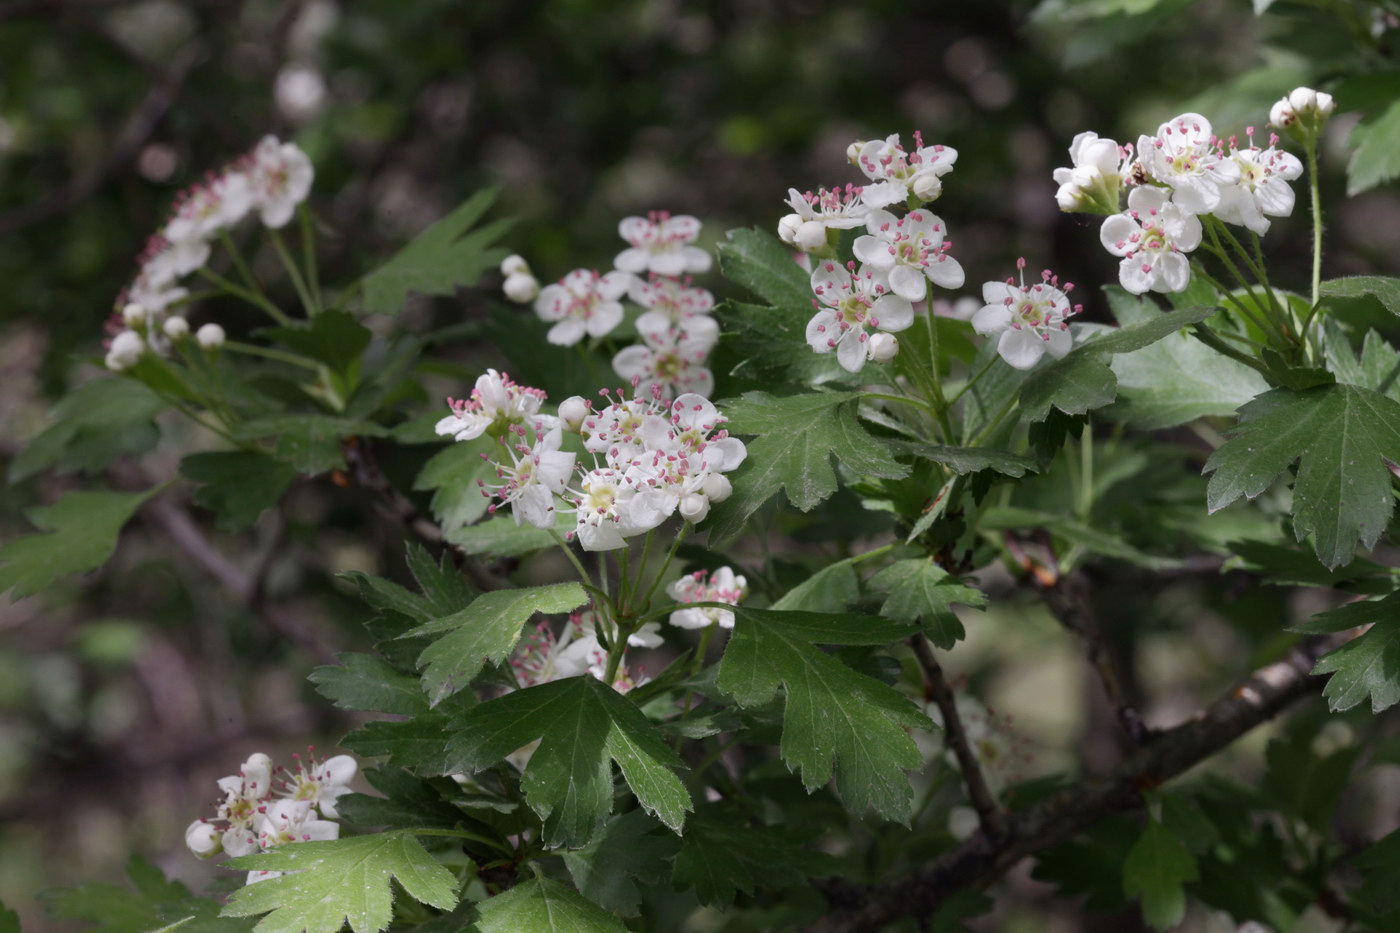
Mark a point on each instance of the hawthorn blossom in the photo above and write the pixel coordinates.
(496, 403)
(898, 174)
(911, 251)
(1152, 235)
(244, 793)
(612, 505)
(1093, 185)
(724, 586)
(582, 303)
(855, 300)
(814, 214)
(668, 301)
(532, 478)
(544, 657)
(286, 821)
(321, 783)
(660, 244)
(205, 210)
(671, 358)
(1187, 158)
(280, 176)
(1027, 320)
(1262, 190)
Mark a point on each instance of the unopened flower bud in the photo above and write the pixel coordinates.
(134, 315)
(694, 507)
(717, 487)
(787, 228)
(521, 287)
(125, 350)
(1302, 113)
(513, 265)
(962, 822)
(811, 236)
(210, 336)
(572, 411)
(928, 186)
(883, 347)
(853, 152)
(204, 839)
(176, 328)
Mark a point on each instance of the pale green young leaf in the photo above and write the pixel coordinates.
(963, 460)
(337, 882)
(1368, 665)
(485, 632)
(78, 533)
(1375, 158)
(543, 906)
(452, 474)
(580, 724)
(1342, 436)
(920, 592)
(1157, 869)
(835, 720)
(1384, 288)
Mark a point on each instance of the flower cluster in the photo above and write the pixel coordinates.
(1183, 173)
(1027, 320)
(271, 180)
(1001, 752)
(264, 807)
(723, 586)
(859, 309)
(543, 656)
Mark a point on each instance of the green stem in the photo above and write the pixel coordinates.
(1264, 324)
(293, 270)
(971, 382)
(463, 834)
(665, 565)
(253, 298)
(1315, 188)
(698, 663)
(236, 346)
(1219, 250)
(1260, 274)
(996, 421)
(1211, 339)
(1086, 476)
(308, 252)
(573, 558)
(244, 270)
(871, 555)
(905, 399)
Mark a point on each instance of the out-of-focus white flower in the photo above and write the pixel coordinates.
(176, 328)
(671, 358)
(521, 288)
(724, 586)
(1187, 158)
(992, 739)
(280, 175)
(911, 250)
(497, 402)
(582, 303)
(133, 315)
(855, 302)
(1302, 112)
(668, 301)
(1027, 320)
(533, 477)
(1152, 235)
(962, 822)
(514, 263)
(961, 309)
(898, 174)
(1263, 189)
(814, 214)
(204, 210)
(300, 92)
(125, 350)
(210, 336)
(660, 244)
(1095, 183)
(572, 411)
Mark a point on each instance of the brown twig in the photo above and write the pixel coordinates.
(984, 857)
(936, 688)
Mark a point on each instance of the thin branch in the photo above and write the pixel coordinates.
(936, 688)
(982, 858)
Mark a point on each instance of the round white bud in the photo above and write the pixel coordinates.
(176, 328)
(513, 264)
(572, 411)
(125, 350)
(883, 347)
(210, 336)
(853, 152)
(787, 228)
(521, 287)
(928, 186)
(811, 236)
(1281, 114)
(717, 487)
(134, 315)
(204, 839)
(694, 507)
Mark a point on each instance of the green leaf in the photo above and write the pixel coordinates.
(796, 437)
(331, 337)
(500, 537)
(1383, 287)
(769, 344)
(1157, 868)
(93, 425)
(760, 262)
(9, 920)
(368, 683)
(154, 904)
(1082, 381)
(1303, 782)
(834, 587)
(631, 848)
(543, 906)
(1376, 157)
(963, 460)
(920, 592)
(833, 716)
(439, 260)
(444, 586)
(408, 802)
(237, 485)
(1342, 435)
(343, 880)
(419, 743)
(452, 473)
(1379, 865)
(721, 856)
(484, 632)
(80, 534)
(1378, 366)
(309, 442)
(388, 596)
(1368, 665)
(580, 723)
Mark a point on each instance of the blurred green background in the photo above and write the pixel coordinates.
(123, 696)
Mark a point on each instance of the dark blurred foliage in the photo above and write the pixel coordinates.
(121, 700)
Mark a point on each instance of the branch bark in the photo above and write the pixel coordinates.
(984, 857)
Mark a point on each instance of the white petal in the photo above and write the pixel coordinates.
(1118, 229)
(821, 329)
(633, 260)
(697, 260)
(946, 272)
(894, 313)
(884, 194)
(1060, 343)
(873, 250)
(605, 317)
(1021, 349)
(1135, 275)
(632, 361)
(991, 319)
(908, 283)
(566, 333)
(1173, 272)
(672, 263)
(850, 351)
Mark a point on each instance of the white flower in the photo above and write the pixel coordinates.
(497, 402)
(204, 839)
(125, 350)
(855, 301)
(1028, 320)
(1152, 236)
(162, 262)
(991, 738)
(321, 783)
(533, 478)
(961, 309)
(244, 794)
(671, 358)
(668, 301)
(288, 821)
(514, 263)
(962, 822)
(204, 210)
(883, 347)
(572, 411)
(815, 214)
(521, 288)
(576, 651)
(300, 92)
(1185, 156)
(899, 174)
(660, 243)
(723, 587)
(210, 336)
(648, 636)
(612, 505)
(1094, 183)
(1302, 112)
(911, 250)
(1262, 190)
(280, 177)
(582, 302)
(154, 296)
